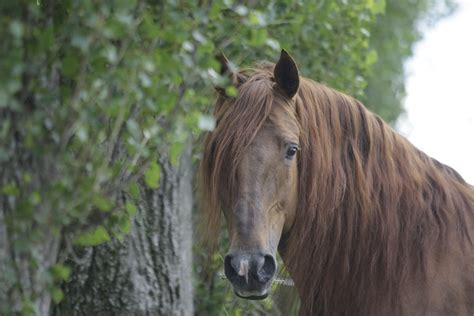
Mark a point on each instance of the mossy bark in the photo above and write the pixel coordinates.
(149, 272)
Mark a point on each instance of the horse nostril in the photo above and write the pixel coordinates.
(267, 270)
(230, 270)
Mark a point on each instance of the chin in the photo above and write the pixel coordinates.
(251, 295)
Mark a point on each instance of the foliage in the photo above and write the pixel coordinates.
(93, 95)
(329, 39)
(393, 37)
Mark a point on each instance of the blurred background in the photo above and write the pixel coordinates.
(439, 112)
(103, 105)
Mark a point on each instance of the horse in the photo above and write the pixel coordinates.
(365, 223)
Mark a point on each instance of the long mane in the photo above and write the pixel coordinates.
(238, 120)
(372, 208)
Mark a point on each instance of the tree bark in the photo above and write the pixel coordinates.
(149, 272)
(22, 273)
(28, 248)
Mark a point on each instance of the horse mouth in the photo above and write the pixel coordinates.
(252, 296)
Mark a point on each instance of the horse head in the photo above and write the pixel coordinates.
(258, 154)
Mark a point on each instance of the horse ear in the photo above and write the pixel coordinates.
(227, 69)
(225, 64)
(286, 74)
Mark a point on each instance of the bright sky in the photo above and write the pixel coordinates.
(440, 92)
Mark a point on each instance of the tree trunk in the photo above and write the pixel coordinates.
(22, 271)
(28, 248)
(149, 272)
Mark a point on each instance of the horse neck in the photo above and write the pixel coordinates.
(372, 210)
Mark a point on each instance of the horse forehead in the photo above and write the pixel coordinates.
(283, 123)
(263, 145)
(279, 128)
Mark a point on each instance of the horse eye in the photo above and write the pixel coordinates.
(291, 151)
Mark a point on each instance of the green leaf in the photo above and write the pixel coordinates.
(231, 91)
(60, 272)
(57, 295)
(125, 224)
(35, 198)
(258, 36)
(376, 6)
(71, 65)
(131, 208)
(28, 307)
(10, 189)
(371, 57)
(102, 203)
(152, 175)
(134, 190)
(93, 237)
(175, 151)
(257, 18)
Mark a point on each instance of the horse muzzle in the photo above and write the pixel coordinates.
(250, 274)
